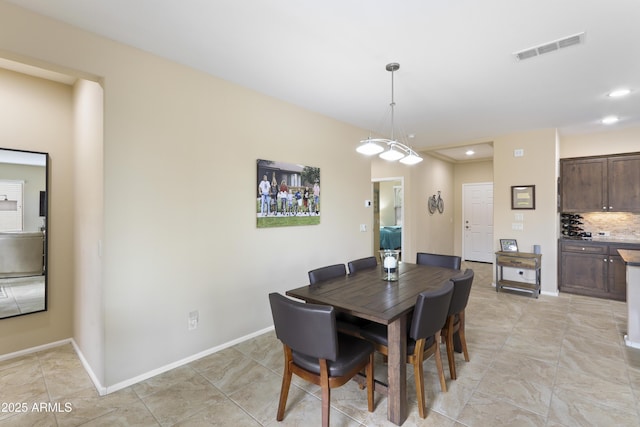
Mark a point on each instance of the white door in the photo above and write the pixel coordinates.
(478, 222)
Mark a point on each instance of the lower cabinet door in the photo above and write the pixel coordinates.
(617, 278)
(585, 274)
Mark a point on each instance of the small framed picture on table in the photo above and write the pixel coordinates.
(508, 245)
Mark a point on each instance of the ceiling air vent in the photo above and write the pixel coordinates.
(550, 47)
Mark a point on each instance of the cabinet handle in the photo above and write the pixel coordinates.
(605, 260)
(610, 260)
(604, 208)
(610, 208)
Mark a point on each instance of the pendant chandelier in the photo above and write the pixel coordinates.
(390, 149)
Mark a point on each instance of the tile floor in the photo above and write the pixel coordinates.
(554, 361)
(21, 295)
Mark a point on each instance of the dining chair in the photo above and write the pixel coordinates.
(437, 260)
(316, 352)
(429, 316)
(455, 318)
(362, 264)
(326, 273)
(347, 323)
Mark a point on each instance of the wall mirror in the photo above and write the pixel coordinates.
(24, 196)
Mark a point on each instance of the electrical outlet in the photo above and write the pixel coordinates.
(194, 316)
(517, 226)
(363, 227)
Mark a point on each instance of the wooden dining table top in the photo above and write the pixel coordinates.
(365, 295)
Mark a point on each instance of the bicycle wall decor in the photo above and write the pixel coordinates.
(436, 203)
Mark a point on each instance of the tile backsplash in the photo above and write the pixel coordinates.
(620, 225)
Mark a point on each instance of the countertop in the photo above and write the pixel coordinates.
(630, 257)
(604, 240)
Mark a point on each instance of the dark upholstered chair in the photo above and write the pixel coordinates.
(316, 352)
(455, 318)
(437, 260)
(429, 316)
(362, 264)
(347, 323)
(326, 273)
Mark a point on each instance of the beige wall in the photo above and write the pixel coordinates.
(35, 116)
(611, 141)
(423, 232)
(537, 167)
(179, 159)
(387, 202)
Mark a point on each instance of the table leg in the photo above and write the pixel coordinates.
(397, 369)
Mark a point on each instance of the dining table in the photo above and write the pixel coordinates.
(365, 295)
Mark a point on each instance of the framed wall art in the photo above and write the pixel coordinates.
(287, 194)
(523, 197)
(508, 245)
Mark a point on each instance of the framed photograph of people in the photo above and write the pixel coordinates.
(508, 245)
(523, 197)
(287, 194)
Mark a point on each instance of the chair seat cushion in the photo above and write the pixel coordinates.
(377, 333)
(351, 353)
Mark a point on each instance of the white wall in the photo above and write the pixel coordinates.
(88, 330)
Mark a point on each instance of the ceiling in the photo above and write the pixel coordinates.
(459, 82)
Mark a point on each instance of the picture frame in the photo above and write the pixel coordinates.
(288, 194)
(508, 245)
(523, 197)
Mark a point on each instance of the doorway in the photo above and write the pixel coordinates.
(477, 217)
(388, 214)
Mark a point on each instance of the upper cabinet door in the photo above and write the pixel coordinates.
(583, 185)
(624, 184)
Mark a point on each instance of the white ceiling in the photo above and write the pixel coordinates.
(458, 81)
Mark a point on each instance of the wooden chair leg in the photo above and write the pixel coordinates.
(463, 338)
(326, 392)
(449, 341)
(284, 390)
(418, 373)
(438, 357)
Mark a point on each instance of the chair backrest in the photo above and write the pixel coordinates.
(461, 290)
(362, 264)
(430, 313)
(437, 260)
(325, 273)
(306, 328)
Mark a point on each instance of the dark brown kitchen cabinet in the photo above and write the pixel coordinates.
(582, 269)
(600, 184)
(617, 274)
(624, 183)
(593, 268)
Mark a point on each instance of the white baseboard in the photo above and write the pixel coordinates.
(181, 362)
(102, 390)
(36, 349)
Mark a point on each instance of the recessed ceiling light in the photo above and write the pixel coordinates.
(470, 152)
(619, 93)
(610, 120)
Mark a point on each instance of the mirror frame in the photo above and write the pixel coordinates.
(47, 211)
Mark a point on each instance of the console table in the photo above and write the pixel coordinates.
(520, 261)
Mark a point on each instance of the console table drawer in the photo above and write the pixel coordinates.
(516, 262)
(584, 249)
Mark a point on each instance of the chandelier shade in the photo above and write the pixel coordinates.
(390, 149)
